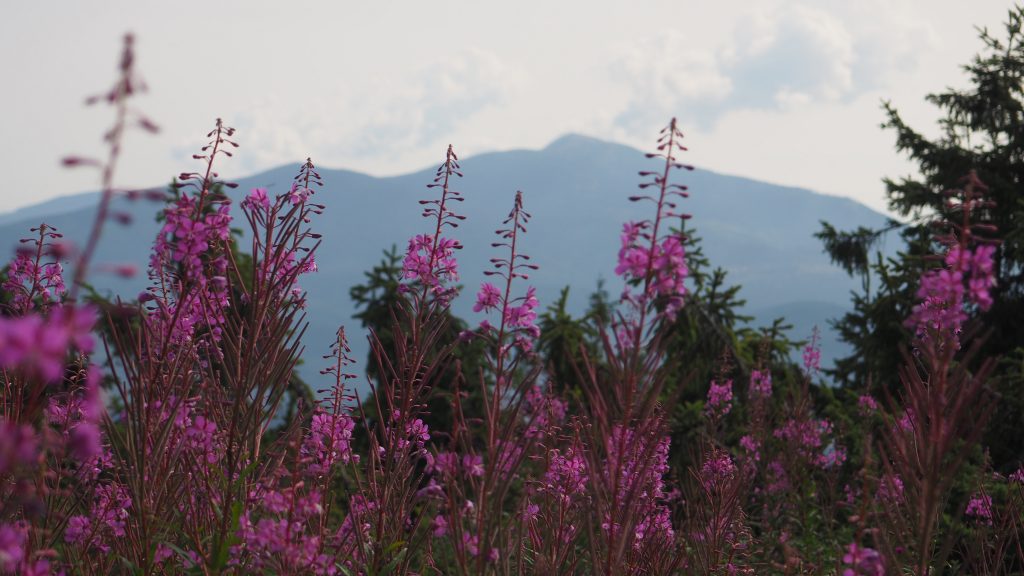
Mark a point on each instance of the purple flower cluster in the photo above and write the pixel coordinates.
(39, 344)
(660, 264)
(106, 519)
(812, 353)
(719, 401)
(861, 561)
(544, 411)
(760, 383)
(566, 475)
(12, 547)
(809, 440)
(277, 533)
(430, 258)
(328, 443)
(717, 471)
(979, 507)
(636, 465)
(30, 281)
(431, 262)
(968, 277)
(189, 261)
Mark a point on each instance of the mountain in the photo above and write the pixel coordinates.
(576, 189)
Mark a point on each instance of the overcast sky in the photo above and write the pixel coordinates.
(786, 91)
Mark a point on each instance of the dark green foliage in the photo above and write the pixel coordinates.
(564, 340)
(982, 130)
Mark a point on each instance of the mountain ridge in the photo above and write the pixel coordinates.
(576, 188)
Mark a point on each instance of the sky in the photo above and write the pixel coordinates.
(785, 91)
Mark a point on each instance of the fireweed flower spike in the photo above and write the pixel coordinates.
(190, 258)
(945, 404)
(965, 278)
(651, 257)
(430, 258)
(518, 315)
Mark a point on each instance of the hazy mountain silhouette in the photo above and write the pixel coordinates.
(576, 189)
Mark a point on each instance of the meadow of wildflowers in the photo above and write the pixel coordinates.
(168, 434)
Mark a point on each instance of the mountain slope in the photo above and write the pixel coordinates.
(576, 189)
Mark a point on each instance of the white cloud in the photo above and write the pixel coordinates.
(781, 57)
(383, 117)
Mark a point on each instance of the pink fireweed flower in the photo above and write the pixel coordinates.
(719, 401)
(752, 447)
(632, 258)
(717, 471)
(107, 520)
(298, 194)
(416, 434)
(760, 383)
(444, 464)
(778, 479)
(487, 299)
(808, 439)
(862, 561)
(518, 315)
(890, 489)
(257, 200)
(566, 477)
(944, 293)
(543, 411)
(13, 538)
(40, 345)
(430, 258)
(524, 315)
(980, 508)
(439, 526)
(637, 463)
(867, 405)
(328, 443)
(1018, 476)
(650, 255)
(473, 465)
(812, 353)
(31, 283)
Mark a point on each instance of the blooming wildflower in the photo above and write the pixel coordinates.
(40, 344)
(445, 463)
(808, 439)
(566, 476)
(524, 315)
(718, 469)
(752, 447)
(473, 465)
(1018, 476)
(719, 401)
(543, 411)
(329, 442)
(778, 480)
(942, 294)
(12, 546)
(867, 404)
(298, 194)
(666, 263)
(812, 354)
(979, 507)
(862, 561)
(439, 526)
(257, 200)
(488, 298)
(761, 383)
(890, 488)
